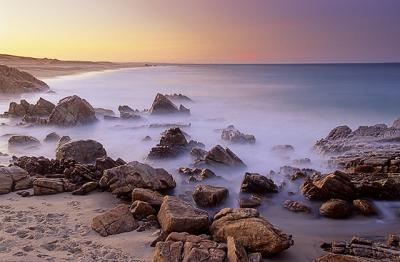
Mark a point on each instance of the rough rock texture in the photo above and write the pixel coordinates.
(199, 174)
(255, 257)
(72, 111)
(219, 156)
(141, 209)
(13, 81)
(176, 215)
(250, 202)
(22, 141)
(364, 207)
(50, 186)
(296, 206)
(236, 252)
(123, 179)
(83, 151)
(256, 183)
(396, 123)
(178, 97)
(41, 108)
(63, 140)
(282, 149)
(162, 105)
(209, 196)
(255, 233)
(104, 111)
(154, 198)
(168, 251)
(340, 258)
(86, 188)
(336, 208)
(13, 178)
(114, 221)
(233, 135)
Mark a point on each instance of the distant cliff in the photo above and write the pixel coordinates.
(14, 81)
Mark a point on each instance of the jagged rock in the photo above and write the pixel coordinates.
(85, 188)
(339, 133)
(82, 173)
(63, 140)
(72, 111)
(14, 81)
(364, 207)
(52, 137)
(254, 232)
(208, 196)
(162, 105)
(154, 198)
(335, 208)
(282, 149)
(176, 215)
(256, 183)
(235, 252)
(42, 166)
(13, 178)
(218, 156)
(41, 108)
(104, 163)
(114, 221)
(296, 206)
(235, 136)
(168, 252)
(141, 209)
(184, 110)
(179, 97)
(198, 154)
(250, 202)
(83, 151)
(22, 141)
(199, 174)
(49, 186)
(121, 180)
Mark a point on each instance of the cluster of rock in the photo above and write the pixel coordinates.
(233, 135)
(14, 81)
(40, 109)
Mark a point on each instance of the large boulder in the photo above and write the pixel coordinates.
(254, 232)
(122, 180)
(176, 215)
(72, 111)
(162, 105)
(336, 208)
(50, 186)
(219, 156)
(209, 196)
(256, 183)
(23, 141)
(233, 135)
(339, 132)
(13, 178)
(14, 81)
(114, 221)
(154, 198)
(83, 151)
(364, 207)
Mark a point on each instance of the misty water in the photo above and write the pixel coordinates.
(279, 104)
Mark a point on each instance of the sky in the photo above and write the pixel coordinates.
(203, 31)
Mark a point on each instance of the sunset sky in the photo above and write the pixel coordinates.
(203, 31)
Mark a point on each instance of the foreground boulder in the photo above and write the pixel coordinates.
(22, 141)
(154, 198)
(41, 108)
(254, 232)
(219, 156)
(13, 178)
(233, 135)
(50, 186)
(209, 196)
(256, 183)
(83, 151)
(122, 180)
(72, 111)
(162, 105)
(14, 81)
(176, 215)
(336, 208)
(114, 221)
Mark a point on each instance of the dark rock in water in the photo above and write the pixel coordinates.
(282, 149)
(336, 208)
(104, 112)
(209, 196)
(296, 206)
(141, 209)
(41, 108)
(179, 98)
(14, 81)
(184, 110)
(199, 174)
(256, 183)
(236, 251)
(125, 109)
(162, 105)
(85, 188)
(176, 215)
(72, 111)
(123, 179)
(22, 141)
(219, 156)
(331, 257)
(50, 186)
(233, 135)
(364, 207)
(198, 154)
(52, 137)
(339, 133)
(147, 138)
(83, 151)
(129, 115)
(111, 118)
(254, 232)
(154, 198)
(114, 221)
(13, 178)
(250, 202)
(104, 163)
(302, 161)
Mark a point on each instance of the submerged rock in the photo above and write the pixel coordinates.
(233, 135)
(52, 137)
(14, 81)
(209, 196)
(104, 112)
(282, 149)
(22, 141)
(83, 151)
(256, 183)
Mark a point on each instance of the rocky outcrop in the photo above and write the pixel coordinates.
(122, 180)
(72, 111)
(50, 186)
(220, 157)
(23, 141)
(14, 81)
(114, 221)
(154, 198)
(209, 196)
(233, 135)
(82, 151)
(176, 215)
(162, 105)
(13, 178)
(256, 183)
(250, 202)
(296, 206)
(41, 108)
(336, 208)
(254, 232)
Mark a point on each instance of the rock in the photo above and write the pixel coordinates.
(41, 108)
(14, 81)
(125, 109)
(13, 178)
(141, 209)
(302, 161)
(85, 188)
(396, 123)
(104, 112)
(236, 252)
(296, 206)
(335, 208)
(72, 111)
(22, 141)
(255, 233)
(256, 183)
(49, 186)
(364, 207)
(184, 110)
(209, 196)
(199, 174)
(339, 132)
(282, 149)
(162, 105)
(52, 137)
(198, 154)
(123, 179)
(63, 140)
(41, 166)
(255, 257)
(168, 252)
(339, 258)
(146, 138)
(176, 215)
(393, 241)
(114, 221)
(178, 98)
(233, 135)
(218, 156)
(250, 202)
(82, 151)
(105, 163)
(154, 198)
